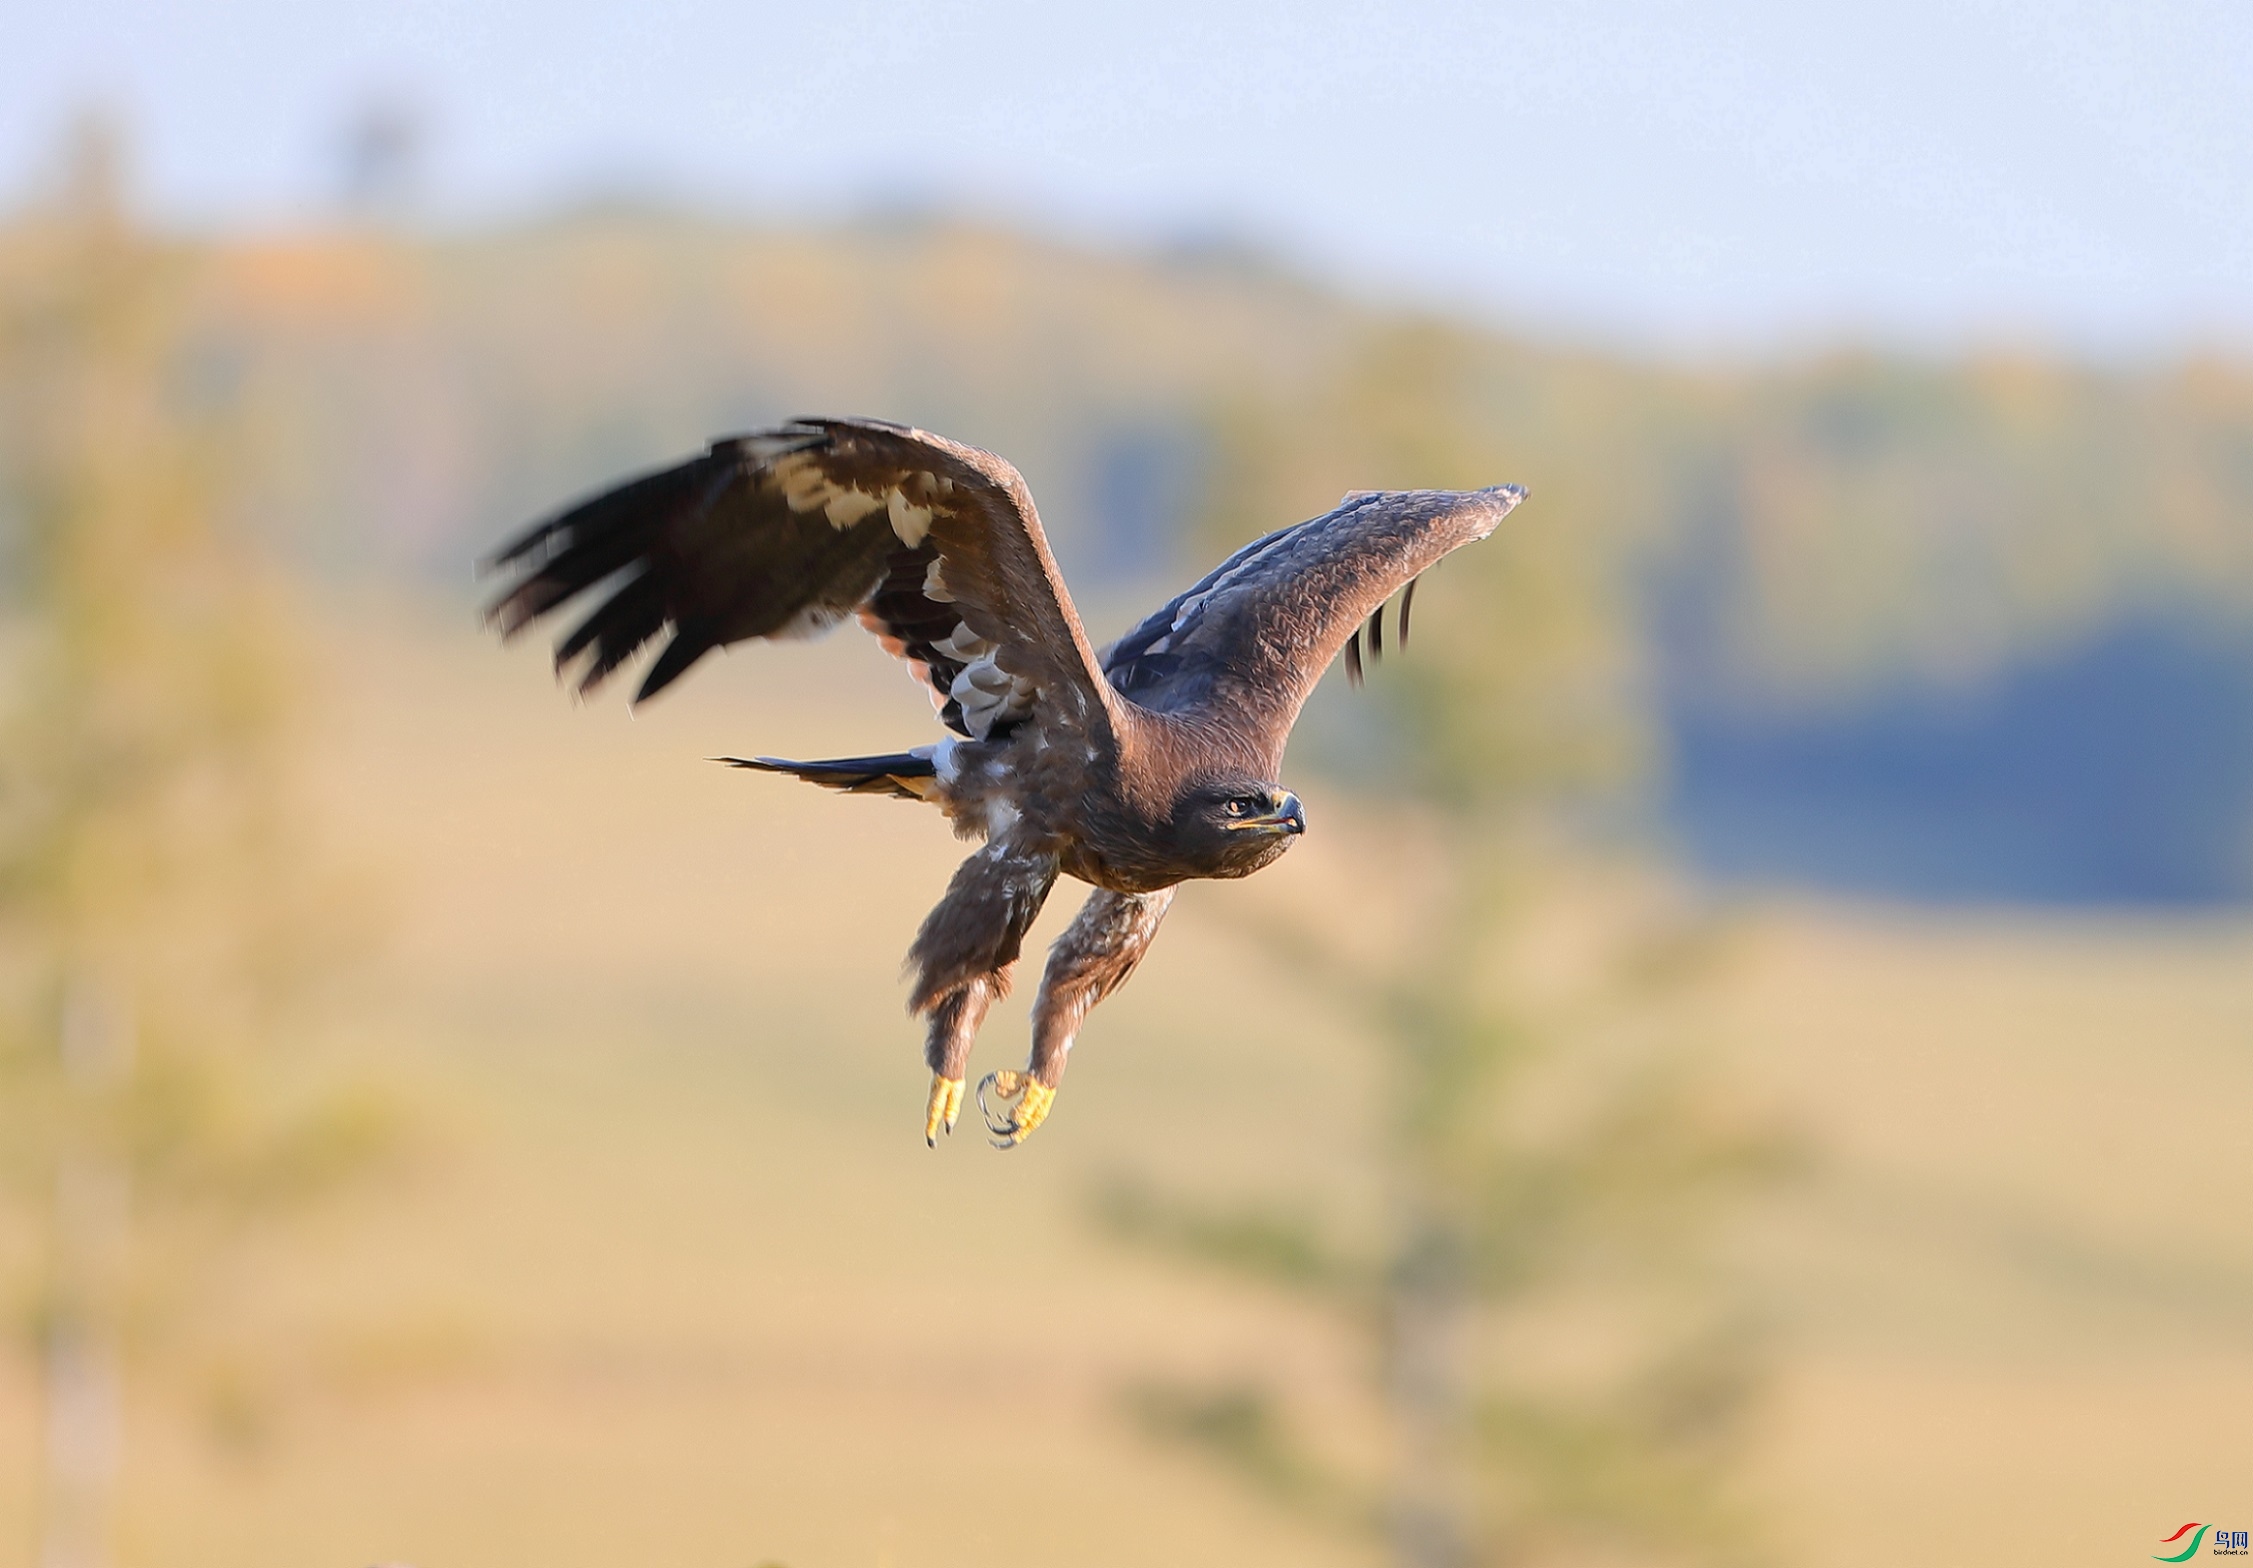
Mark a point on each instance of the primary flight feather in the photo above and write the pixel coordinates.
(1133, 770)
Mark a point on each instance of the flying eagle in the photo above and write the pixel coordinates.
(1134, 769)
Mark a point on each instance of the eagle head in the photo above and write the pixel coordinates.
(1230, 827)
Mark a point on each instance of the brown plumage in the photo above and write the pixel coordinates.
(1133, 771)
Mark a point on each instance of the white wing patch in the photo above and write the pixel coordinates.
(848, 507)
(988, 694)
(806, 488)
(964, 646)
(798, 477)
(909, 521)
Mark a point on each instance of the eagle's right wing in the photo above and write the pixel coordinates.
(786, 532)
(1245, 646)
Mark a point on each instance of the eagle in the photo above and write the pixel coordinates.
(1133, 769)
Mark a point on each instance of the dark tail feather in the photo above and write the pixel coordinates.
(902, 775)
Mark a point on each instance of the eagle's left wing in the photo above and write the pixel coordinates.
(785, 532)
(1245, 646)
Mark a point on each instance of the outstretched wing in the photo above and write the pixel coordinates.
(1245, 646)
(786, 532)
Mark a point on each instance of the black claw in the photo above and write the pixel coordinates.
(1353, 659)
(1407, 598)
(1377, 635)
(993, 1124)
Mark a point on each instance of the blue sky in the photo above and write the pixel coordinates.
(2074, 174)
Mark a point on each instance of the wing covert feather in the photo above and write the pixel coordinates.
(784, 533)
(1245, 646)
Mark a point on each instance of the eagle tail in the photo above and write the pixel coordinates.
(904, 775)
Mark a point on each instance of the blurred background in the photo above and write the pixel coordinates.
(1747, 1068)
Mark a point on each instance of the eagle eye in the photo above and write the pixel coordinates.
(1238, 807)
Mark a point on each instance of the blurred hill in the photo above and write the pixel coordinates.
(1876, 601)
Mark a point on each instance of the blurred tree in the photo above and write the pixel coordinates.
(155, 910)
(1499, 1210)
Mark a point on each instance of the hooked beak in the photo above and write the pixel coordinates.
(1287, 817)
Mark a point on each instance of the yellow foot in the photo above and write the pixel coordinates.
(945, 1106)
(1030, 1111)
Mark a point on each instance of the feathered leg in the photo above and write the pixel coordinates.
(1093, 958)
(962, 958)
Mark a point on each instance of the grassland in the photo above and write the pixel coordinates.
(669, 1278)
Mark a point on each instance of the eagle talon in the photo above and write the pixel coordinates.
(945, 1105)
(1034, 1099)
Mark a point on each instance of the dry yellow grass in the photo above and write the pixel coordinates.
(2023, 1285)
(676, 1282)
